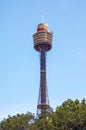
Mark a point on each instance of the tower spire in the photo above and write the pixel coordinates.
(42, 15)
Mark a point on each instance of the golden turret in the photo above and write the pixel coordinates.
(42, 38)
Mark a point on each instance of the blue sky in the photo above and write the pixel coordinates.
(19, 62)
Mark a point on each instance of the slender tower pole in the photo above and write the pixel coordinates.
(42, 43)
(43, 84)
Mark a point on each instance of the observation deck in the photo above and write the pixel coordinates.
(42, 38)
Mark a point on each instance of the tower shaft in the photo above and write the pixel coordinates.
(43, 76)
(43, 101)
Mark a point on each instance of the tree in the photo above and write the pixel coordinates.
(42, 124)
(71, 115)
(17, 122)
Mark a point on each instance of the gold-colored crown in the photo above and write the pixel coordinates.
(42, 27)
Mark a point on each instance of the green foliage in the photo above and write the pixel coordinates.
(71, 115)
(42, 124)
(18, 122)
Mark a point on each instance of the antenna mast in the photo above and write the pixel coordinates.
(42, 15)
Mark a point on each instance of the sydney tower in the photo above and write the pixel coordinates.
(43, 43)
